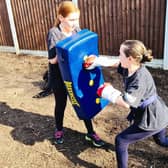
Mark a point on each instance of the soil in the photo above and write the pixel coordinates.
(27, 124)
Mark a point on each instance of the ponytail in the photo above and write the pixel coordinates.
(147, 57)
(137, 50)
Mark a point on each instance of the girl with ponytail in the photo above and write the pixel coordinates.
(148, 113)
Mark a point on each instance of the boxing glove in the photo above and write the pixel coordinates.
(108, 92)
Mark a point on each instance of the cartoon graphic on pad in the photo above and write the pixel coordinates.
(81, 84)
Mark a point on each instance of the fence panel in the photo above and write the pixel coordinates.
(113, 20)
(33, 18)
(118, 20)
(5, 32)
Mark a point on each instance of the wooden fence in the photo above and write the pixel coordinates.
(5, 31)
(117, 20)
(113, 20)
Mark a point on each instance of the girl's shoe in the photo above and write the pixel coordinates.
(59, 137)
(94, 138)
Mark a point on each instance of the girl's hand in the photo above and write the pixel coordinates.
(107, 91)
(100, 89)
(89, 62)
(53, 60)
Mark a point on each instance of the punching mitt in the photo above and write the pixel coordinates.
(108, 92)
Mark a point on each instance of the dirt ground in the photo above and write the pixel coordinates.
(27, 124)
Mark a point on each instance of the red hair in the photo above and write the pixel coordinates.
(64, 9)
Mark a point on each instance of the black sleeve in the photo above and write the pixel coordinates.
(51, 53)
(122, 71)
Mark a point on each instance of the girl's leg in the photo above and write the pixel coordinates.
(122, 141)
(91, 135)
(89, 126)
(60, 104)
(161, 138)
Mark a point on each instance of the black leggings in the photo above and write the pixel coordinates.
(60, 104)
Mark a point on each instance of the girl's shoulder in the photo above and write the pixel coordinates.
(55, 34)
(53, 30)
(144, 71)
(144, 75)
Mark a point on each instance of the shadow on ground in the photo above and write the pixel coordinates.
(29, 128)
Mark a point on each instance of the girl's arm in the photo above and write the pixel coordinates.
(120, 101)
(93, 61)
(53, 60)
(107, 91)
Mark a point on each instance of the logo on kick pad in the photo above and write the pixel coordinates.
(71, 94)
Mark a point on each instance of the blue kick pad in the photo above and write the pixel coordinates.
(81, 84)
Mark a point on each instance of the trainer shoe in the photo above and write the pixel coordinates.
(94, 138)
(59, 137)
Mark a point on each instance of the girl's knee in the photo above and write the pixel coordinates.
(121, 143)
(118, 140)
